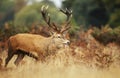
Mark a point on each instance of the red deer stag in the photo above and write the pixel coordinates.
(37, 46)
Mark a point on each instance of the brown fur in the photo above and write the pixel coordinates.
(35, 46)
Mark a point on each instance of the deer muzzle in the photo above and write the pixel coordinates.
(66, 42)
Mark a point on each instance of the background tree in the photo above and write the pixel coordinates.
(6, 11)
(113, 8)
(19, 4)
(95, 12)
(31, 14)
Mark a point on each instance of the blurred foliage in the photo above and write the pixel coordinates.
(31, 15)
(7, 30)
(21, 16)
(107, 35)
(5, 5)
(113, 8)
(92, 12)
(95, 12)
(16, 16)
(6, 10)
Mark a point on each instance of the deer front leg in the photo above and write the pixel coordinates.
(19, 59)
(9, 57)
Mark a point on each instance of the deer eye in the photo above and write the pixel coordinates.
(59, 36)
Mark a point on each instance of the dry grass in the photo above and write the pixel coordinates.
(56, 69)
(86, 58)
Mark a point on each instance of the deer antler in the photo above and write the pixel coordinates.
(68, 13)
(46, 17)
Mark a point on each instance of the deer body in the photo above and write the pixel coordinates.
(38, 46)
(33, 43)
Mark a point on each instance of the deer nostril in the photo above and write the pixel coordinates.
(68, 42)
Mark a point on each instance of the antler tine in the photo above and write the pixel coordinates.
(65, 27)
(55, 27)
(68, 13)
(46, 17)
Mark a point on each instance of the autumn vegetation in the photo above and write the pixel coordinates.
(94, 50)
(86, 52)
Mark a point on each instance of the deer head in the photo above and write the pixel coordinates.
(58, 34)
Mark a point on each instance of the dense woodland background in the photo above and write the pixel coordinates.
(19, 16)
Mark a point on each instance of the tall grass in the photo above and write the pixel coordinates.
(85, 58)
(56, 68)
